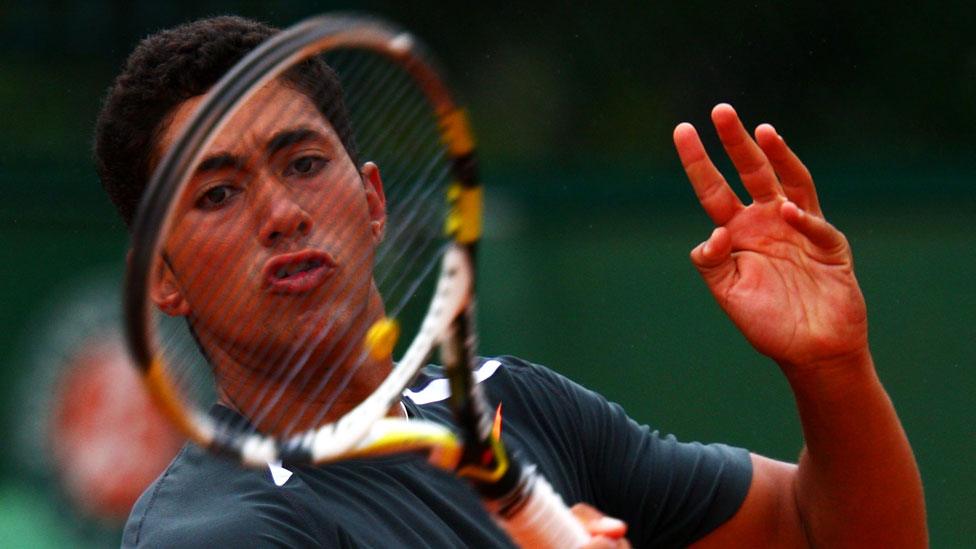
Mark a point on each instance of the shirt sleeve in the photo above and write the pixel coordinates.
(232, 530)
(670, 493)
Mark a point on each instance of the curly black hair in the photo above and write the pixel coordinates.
(172, 66)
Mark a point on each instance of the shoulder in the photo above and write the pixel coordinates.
(201, 500)
(521, 385)
(490, 372)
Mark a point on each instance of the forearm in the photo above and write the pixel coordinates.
(857, 483)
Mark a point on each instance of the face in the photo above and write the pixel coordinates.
(270, 253)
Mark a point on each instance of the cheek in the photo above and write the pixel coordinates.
(213, 268)
(343, 217)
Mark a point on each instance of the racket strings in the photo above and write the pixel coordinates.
(392, 242)
(411, 249)
(323, 382)
(217, 294)
(181, 340)
(296, 367)
(349, 374)
(289, 358)
(417, 194)
(332, 399)
(190, 349)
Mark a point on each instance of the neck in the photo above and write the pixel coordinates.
(321, 386)
(284, 409)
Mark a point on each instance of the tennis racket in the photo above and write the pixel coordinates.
(267, 276)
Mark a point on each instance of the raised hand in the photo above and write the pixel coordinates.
(780, 271)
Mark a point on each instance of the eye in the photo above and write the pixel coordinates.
(305, 166)
(216, 197)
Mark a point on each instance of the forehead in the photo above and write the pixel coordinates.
(273, 108)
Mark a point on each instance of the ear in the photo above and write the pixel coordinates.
(375, 199)
(165, 291)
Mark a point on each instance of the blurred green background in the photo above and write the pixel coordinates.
(589, 217)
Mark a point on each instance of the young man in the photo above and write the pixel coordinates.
(781, 272)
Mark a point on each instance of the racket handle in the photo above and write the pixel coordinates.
(543, 520)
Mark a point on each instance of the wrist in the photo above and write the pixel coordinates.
(836, 374)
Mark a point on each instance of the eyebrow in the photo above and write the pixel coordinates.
(288, 138)
(219, 162)
(281, 140)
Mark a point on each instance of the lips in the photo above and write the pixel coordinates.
(297, 273)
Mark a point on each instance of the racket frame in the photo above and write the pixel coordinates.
(523, 502)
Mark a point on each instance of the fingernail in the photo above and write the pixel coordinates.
(609, 523)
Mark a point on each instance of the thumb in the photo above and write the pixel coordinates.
(713, 257)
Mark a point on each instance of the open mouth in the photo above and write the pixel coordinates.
(297, 272)
(296, 268)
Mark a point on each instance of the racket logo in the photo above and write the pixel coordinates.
(496, 427)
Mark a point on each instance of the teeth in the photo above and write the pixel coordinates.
(302, 266)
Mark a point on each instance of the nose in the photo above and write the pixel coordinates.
(280, 216)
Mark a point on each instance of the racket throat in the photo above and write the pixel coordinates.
(506, 497)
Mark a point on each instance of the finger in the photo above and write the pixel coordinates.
(816, 229)
(607, 527)
(713, 259)
(714, 252)
(716, 197)
(794, 177)
(750, 161)
(598, 524)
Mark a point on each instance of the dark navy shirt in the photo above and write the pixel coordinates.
(669, 493)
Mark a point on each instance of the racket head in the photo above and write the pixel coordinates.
(193, 255)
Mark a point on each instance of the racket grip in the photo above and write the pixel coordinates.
(543, 520)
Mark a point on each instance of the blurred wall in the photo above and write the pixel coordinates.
(589, 219)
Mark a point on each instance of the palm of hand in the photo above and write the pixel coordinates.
(776, 267)
(793, 301)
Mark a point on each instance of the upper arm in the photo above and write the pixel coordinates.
(229, 527)
(769, 516)
(669, 492)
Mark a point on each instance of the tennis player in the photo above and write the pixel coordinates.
(781, 272)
